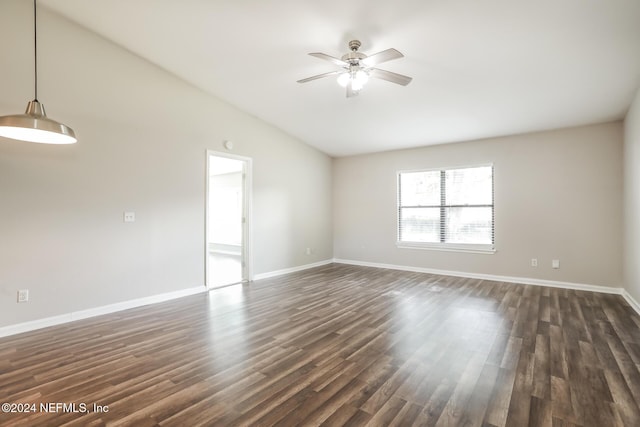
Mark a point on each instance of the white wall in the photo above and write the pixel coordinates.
(632, 199)
(225, 208)
(143, 136)
(558, 195)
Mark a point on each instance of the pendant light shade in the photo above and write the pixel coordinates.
(34, 125)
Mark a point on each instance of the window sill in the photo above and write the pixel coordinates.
(476, 249)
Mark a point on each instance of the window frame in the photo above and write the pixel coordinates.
(485, 248)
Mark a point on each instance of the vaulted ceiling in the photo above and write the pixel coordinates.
(480, 68)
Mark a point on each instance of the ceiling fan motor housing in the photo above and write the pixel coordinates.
(354, 57)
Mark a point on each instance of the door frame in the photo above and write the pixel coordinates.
(247, 240)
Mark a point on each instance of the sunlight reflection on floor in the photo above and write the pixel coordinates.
(224, 269)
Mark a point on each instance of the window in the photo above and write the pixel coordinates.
(446, 209)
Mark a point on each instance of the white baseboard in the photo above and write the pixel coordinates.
(510, 279)
(96, 311)
(19, 328)
(111, 308)
(632, 302)
(291, 270)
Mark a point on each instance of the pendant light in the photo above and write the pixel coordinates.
(34, 125)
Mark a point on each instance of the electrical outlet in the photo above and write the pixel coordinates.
(308, 251)
(129, 217)
(555, 263)
(534, 262)
(23, 295)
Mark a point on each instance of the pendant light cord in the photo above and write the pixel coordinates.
(35, 51)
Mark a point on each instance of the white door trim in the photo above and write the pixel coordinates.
(247, 235)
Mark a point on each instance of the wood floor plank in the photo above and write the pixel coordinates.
(338, 345)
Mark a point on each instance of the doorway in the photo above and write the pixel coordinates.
(227, 219)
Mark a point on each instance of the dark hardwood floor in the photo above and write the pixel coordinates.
(337, 345)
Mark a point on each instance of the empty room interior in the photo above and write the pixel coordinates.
(301, 213)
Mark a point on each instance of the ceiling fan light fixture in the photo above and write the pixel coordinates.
(356, 77)
(343, 79)
(34, 125)
(359, 79)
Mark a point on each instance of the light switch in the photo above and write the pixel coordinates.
(129, 217)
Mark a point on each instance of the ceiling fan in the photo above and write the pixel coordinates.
(358, 67)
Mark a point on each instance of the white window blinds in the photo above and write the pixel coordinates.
(447, 208)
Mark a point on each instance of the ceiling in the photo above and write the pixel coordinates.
(480, 68)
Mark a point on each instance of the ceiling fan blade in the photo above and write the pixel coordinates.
(390, 77)
(350, 92)
(380, 57)
(331, 59)
(319, 76)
